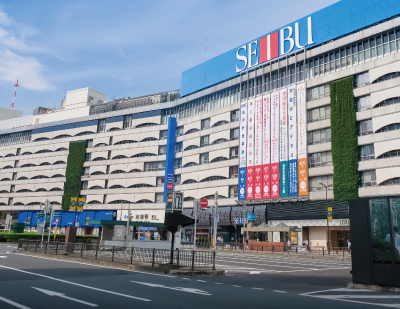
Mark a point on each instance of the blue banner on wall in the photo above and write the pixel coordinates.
(170, 157)
(283, 178)
(293, 182)
(242, 183)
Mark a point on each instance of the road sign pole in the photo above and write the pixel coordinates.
(215, 219)
(195, 223)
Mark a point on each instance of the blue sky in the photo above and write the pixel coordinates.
(123, 48)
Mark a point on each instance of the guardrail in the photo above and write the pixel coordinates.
(174, 258)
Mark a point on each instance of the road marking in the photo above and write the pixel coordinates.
(77, 284)
(142, 272)
(51, 293)
(217, 283)
(237, 286)
(189, 290)
(185, 278)
(277, 291)
(257, 289)
(201, 281)
(3, 257)
(13, 303)
(255, 273)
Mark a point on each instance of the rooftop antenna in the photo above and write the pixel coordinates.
(15, 94)
(205, 52)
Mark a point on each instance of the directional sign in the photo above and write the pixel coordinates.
(189, 290)
(51, 293)
(203, 203)
(251, 217)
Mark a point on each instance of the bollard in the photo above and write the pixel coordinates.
(323, 251)
(132, 255)
(112, 258)
(296, 249)
(213, 261)
(177, 259)
(81, 250)
(152, 261)
(193, 253)
(26, 247)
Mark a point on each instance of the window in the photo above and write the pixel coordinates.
(84, 185)
(145, 125)
(149, 139)
(319, 136)
(191, 147)
(235, 115)
(154, 166)
(205, 123)
(160, 181)
(234, 171)
(363, 103)
(178, 163)
(219, 141)
(365, 127)
(366, 152)
(101, 126)
(86, 170)
(316, 183)
(387, 77)
(391, 182)
(320, 159)
(318, 92)
(177, 179)
(127, 124)
(15, 138)
(368, 178)
(179, 131)
(390, 154)
(163, 134)
(320, 113)
(391, 127)
(192, 131)
(88, 157)
(204, 140)
(204, 158)
(388, 102)
(234, 152)
(361, 80)
(178, 147)
(159, 197)
(162, 149)
(234, 134)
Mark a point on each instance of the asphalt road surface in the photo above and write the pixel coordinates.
(276, 282)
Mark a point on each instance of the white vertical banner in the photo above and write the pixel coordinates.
(267, 146)
(302, 139)
(292, 117)
(258, 143)
(251, 112)
(283, 144)
(242, 150)
(275, 144)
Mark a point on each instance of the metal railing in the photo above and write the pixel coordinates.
(173, 258)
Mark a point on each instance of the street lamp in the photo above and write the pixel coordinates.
(327, 221)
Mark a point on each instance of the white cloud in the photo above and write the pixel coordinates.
(16, 55)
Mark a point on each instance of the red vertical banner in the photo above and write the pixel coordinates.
(250, 149)
(266, 146)
(275, 145)
(258, 143)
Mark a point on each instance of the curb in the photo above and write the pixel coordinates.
(371, 287)
(133, 267)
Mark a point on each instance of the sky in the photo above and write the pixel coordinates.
(123, 48)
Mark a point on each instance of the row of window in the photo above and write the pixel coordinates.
(16, 164)
(320, 159)
(319, 113)
(319, 136)
(15, 177)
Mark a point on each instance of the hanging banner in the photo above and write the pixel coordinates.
(266, 146)
(283, 144)
(251, 104)
(275, 144)
(292, 116)
(258, 143)
(242, 151)
(302, 139)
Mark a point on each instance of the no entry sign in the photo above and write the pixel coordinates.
(56, 220)
(203, 203)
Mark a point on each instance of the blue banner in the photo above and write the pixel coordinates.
(242, 183)
(170, 157)
(283, 178)
(293, 181)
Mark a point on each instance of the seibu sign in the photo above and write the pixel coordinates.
(272, 46)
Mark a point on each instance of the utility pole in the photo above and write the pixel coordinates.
(215, 219)
(51, 210)
(327, 219)
(195, 203)
(127, 224)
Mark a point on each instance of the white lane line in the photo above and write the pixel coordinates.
(288, 258)
(237, 286)
(217, 283)
(257, 289)
(282, 261)
(185, 278)
(146, 273)
(3, 257)
(201, 281)
(277, 291)
(13, 303)
(332, 290)
(77, 284)
(188, 290)
(247, 263)
(254, 272)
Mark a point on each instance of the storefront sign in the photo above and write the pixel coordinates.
(283, 144)
(251, 104)
(266, 146)
(302, 139)
(170, 158)
(258, 141)
(292, 117)
(242, 151)
(275, 144)
(344, 222)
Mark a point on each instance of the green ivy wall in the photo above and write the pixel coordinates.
(72, 185)
(344, 140)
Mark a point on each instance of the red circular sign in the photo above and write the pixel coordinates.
(203, 203)
(56, 220)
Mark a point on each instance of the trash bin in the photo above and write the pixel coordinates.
(18, 227)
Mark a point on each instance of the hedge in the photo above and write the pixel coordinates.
(15, 237)
(344, 140)
(73, 172)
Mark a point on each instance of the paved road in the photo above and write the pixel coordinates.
(31, 282)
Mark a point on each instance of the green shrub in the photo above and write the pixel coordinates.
(15, 237)
(73, 172)
(344, 140)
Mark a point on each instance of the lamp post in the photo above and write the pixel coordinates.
(327, 220)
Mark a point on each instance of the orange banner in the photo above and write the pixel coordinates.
(303, 179)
